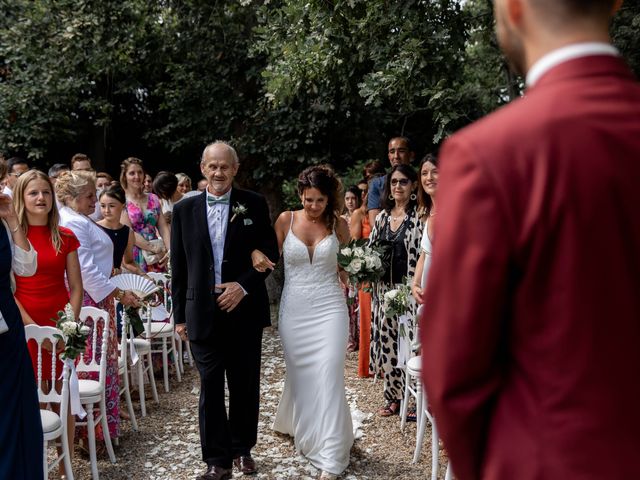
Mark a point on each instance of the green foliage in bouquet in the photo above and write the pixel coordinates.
(363, 262)
(74, 333)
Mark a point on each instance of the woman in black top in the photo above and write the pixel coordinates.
(112, 201)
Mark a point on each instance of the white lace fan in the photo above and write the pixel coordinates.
(141, 286)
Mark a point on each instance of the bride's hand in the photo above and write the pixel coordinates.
(261, 262)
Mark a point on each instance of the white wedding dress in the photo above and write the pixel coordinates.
(313, 327)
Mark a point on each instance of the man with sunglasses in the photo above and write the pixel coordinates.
(399, 151)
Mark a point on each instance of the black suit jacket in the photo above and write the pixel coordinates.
(192, 265)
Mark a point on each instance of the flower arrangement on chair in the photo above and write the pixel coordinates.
(74, 334)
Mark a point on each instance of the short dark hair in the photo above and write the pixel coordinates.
(406, 140)
(56, 169)
(407, 171)
(79, 157)
(15, 161)
(165, 184)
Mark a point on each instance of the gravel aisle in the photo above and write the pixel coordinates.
(167, 443)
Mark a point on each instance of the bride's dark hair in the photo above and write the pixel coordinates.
(324, 179)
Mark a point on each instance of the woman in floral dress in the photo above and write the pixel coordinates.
(144, 215)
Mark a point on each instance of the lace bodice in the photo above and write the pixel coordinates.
(301, 270)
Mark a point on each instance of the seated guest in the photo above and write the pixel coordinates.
(40, 297)
(76, 191)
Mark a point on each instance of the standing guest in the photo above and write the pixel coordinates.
(221, 301)
(360, 228)
(352, 198)
(20, 426)
(202, 185)
(81, 162)
(144, 215)
(16, 166)
(184, 183)
(112, 201)
(165, 186)
(103, 181)
(531, 329)
(41, 296)
(398, 224)
(427, 210)
(399, 151)
(55, 171)
(76, 191)
(148, 183)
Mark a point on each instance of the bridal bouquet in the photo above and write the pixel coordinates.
(363, 262)
(74, 333)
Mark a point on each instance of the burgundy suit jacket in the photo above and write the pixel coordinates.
(531, 327)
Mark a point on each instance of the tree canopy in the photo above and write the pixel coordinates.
(290, 82)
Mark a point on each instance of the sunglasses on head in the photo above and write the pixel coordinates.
(402, 181)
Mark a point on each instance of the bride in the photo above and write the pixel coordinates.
(314, 324)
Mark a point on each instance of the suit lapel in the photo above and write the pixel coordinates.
(202, 225)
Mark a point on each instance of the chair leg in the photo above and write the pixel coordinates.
(105, 429)
(140, 368)
(91, 438)
(405, 403)
(127, 397)
(64, 440)
(165, 365)
(449, 474)
(152, 379)
(174, 349)
(45, 464)
(435, 450)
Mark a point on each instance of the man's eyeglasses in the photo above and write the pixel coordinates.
(402, 181)
(17, 174)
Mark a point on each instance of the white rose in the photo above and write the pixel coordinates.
(346, 251)
(392, 294)
(355, 265)
(85, 330)
(358, 252)
(69, 328)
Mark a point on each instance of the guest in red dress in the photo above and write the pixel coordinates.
(42, 295)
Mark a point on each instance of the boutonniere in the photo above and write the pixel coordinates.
(238, 210)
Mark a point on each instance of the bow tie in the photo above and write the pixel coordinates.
(223, 200)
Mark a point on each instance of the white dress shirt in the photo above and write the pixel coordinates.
(564, 54)
(217, 220)
(95, 253)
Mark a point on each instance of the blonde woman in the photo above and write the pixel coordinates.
(41, 296)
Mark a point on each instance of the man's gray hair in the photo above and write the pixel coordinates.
(232, 150)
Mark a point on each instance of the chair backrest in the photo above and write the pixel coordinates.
(164, 282)
(94, 359)
(39, 335)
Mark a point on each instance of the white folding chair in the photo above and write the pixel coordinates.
(162, 334)
(93, 391)
(54, 425)
(123, 369)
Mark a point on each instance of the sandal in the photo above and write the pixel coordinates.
(391, 408)
(412, 415)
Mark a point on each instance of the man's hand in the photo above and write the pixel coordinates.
(181, 330)
(231, 295)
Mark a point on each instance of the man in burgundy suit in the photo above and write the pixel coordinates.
(531, 330)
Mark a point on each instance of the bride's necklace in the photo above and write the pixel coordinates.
(312, 220)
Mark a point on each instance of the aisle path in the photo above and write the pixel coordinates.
(167, 445)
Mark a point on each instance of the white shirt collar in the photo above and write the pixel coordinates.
(209, 194)
(564, 54)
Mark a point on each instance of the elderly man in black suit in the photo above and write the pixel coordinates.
(221, 305)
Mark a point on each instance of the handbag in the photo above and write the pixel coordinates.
(151, 258)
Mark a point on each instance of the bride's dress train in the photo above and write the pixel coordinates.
(313, 327)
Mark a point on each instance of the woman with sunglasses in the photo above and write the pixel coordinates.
(399, 225)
